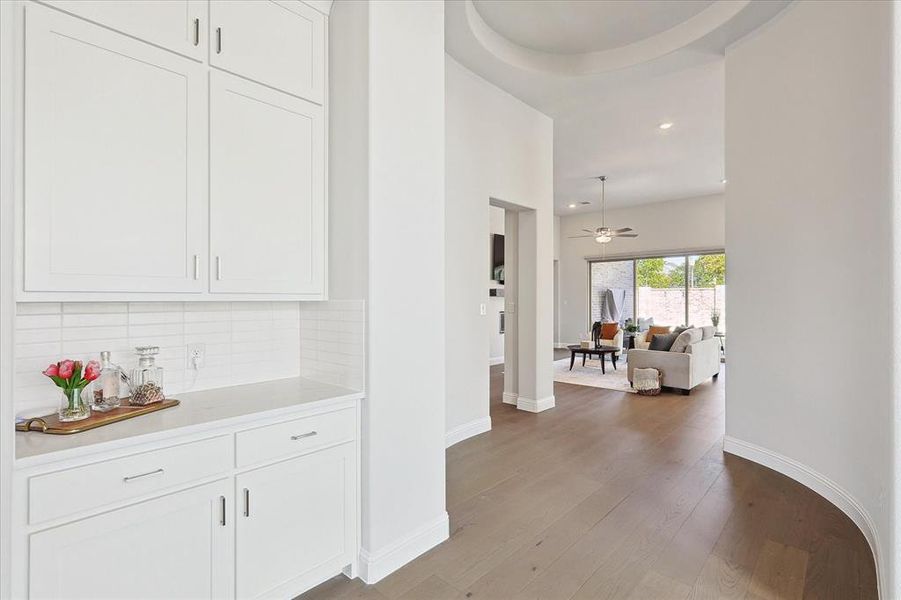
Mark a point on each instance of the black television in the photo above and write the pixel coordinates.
(497, 257)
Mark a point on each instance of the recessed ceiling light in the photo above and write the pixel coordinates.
(572, 205)
(724, 180)
(665, 126)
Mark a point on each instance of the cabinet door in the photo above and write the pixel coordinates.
(115, 161)
(278, 43)
(179, 25)
(172, 547)
(295, 523)
(267, 193)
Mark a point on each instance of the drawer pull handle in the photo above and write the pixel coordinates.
(218, 40)
(133, 477)
(222, 510)
(196, 31)
(304, 435)
(246, 502)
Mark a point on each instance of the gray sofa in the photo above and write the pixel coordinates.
(681, 369)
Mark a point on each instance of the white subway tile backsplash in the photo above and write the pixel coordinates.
(37, 321)
(245, 342)
(39, 308)
(89, 307)
(332, 342)
(95, 319)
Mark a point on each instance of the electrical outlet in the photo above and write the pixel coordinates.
(195, 356)
(483, 309)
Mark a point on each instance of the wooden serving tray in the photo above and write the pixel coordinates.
(52, 425)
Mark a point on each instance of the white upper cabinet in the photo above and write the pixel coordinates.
(278, 43)
(179, 25)
(267, 198)
(115, 191)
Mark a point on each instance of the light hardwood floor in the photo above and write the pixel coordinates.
(613, 495)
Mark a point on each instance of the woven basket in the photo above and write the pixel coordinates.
(646, 381)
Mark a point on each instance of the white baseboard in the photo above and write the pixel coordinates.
(466, 431)
(535, 406)
(375, 566)
(510, 398)
(820, 484)
(496, 360)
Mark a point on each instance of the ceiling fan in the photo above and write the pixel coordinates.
(604, 234)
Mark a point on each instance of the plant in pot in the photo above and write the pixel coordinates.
(71, 379)
(630, 326)
(715, 318)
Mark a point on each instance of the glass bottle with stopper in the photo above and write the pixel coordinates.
(107, 394)
(147, 378)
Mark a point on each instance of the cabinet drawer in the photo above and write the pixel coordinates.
(294, 437)
(82, 488)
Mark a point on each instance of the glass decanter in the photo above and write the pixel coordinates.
(107, 394)
(147, 378)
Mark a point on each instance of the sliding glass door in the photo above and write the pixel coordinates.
(707, 290)
(661, 289)
(673, 290)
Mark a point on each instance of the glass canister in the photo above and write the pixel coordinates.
(147, 378)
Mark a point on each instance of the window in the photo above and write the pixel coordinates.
(673, 290)
(707, 290)
(660, 284)
(612, 291)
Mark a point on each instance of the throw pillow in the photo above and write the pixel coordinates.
(680, 329)
(686, 339)
(655, 330)
(663, 341)
(608, 330)
(707, 332)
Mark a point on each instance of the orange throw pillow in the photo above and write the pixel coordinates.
(608, 330)
(657, 330)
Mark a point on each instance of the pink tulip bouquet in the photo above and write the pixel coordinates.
(71, 379)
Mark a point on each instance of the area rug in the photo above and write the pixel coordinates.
(590, 374)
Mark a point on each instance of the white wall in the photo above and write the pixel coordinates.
(497, 147)
(677, 225)
(396, 144)
(809, 242)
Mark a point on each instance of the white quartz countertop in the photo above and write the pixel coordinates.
(197, 411)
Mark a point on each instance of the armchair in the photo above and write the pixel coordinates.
(616, 340)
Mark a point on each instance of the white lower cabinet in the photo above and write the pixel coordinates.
(175, 546)
(182, 519)
(295, 523)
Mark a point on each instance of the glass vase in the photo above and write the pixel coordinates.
(72, 406)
